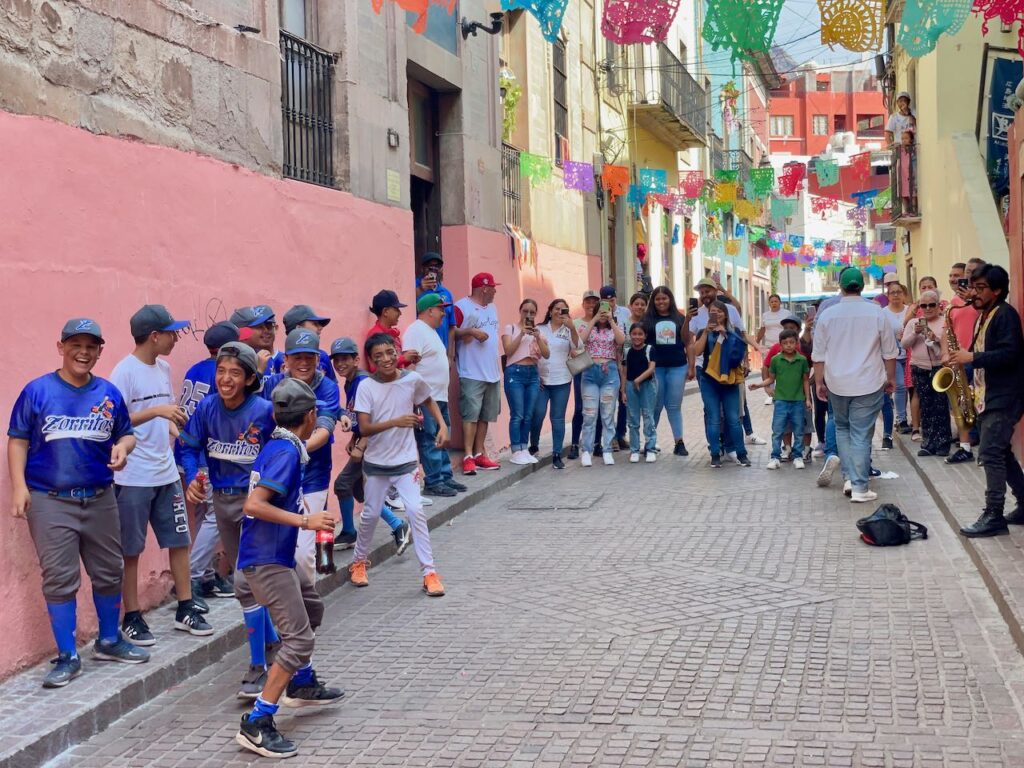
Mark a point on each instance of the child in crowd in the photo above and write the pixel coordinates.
(639, 392)
(908, 171)
(788, 372)
(804, 348)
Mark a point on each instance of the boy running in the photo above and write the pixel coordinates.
(275, 511)
(788, 372)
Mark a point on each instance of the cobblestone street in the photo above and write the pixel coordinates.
(665, 614)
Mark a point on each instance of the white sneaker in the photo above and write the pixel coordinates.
(426, 501)
(731, 456)
(860, 497)
(586, 460)
(847, 488)
(774, 464)
(608, 458)
(827, 472)
(520, 457)
(395, 501)
(652, 456)
(634, 458)
(753, 439)
(532, 459)
(798, 463)
(819, 451)
(769, 400)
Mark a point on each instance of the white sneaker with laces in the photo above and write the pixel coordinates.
(754, 439)
(395, 501)
(774, 464)
(652, 456)
(798, 463)
(608, 458)
(861, 497)
(731, 456)
(586, 460)
(531, 458)
(520, 457)
(634, 458)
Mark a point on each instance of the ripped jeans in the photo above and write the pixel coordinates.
(600, 394)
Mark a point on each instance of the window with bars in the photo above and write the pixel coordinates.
(819, 125)
(511, 185)
(560, 97)
(781, 125)
(307, 80)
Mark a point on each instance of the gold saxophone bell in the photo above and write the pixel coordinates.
(952, 379)
(943, 379)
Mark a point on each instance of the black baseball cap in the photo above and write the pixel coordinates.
(300, 313)
(250, 317)
(430, 256)
(77, 325)
(219, 334)
(385, 299)
(608, 292)
(154, 317)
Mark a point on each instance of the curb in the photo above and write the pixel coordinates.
(165, 671)
(1013, 622)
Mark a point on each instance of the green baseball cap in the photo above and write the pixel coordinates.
(429, 300)
(851, 277)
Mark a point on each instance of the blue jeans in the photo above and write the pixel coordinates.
(521, 386)
(640, 404)
(855, 427)
(721, 404)
(831, 449)
(437, 464)
(671, 382)
(600, 394)
(788, 417)
(558, 396)
(899, 413)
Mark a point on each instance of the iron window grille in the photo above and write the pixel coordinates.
(560, 92)
(511, 185)
(307, 81)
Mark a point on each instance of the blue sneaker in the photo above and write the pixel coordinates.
(122, 651)
(876, 472)
(66, 668)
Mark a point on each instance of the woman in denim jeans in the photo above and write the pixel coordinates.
(603, 339)
(559, 332)
(669, 335)
(523, 346)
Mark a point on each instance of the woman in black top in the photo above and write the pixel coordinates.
(669, 336)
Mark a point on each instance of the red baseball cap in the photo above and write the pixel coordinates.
(482, 279)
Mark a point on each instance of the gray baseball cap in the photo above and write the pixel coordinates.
(301, 340)
(344, 346)
(250, 317)
(219, 334)
(77, 325)
(154, 317)
(790, 319)
(292, 397)
(300, 313)
(242, 352)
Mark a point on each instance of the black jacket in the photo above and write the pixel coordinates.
(1003, 360)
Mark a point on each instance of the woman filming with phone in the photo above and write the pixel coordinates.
(602, 338)
(558, 331)
(523, 347)
(923, 338)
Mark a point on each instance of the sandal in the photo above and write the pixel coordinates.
(916, 435)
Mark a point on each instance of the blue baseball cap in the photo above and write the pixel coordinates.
(344, 346)
(77, 325)
(153, 318)
(219, 334)
(250, 317)
(301, 340)
(300, 313)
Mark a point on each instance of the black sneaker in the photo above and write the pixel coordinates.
(556, 462)
(345, 540)
(202, 588)
(403, 537)
(744, 460)
(716, 461)
(924, 452)
(574, 452)
(313, 694)
(200, 603)
(534, 450)
(456, 485)
(808, 454)
(886, 443)
(440, 490)
(66, 668)
(904, 428)
(960, 456)
(136, 630)
(680, 450)
(261, 736)
(252, 682)
(189, 619)
(223, 586)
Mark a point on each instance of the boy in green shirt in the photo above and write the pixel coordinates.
(788, 372)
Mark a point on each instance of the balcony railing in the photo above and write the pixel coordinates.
(666, 98)
(717, 155)
(511, 185)
(739, 160)
(307, 82)
(903, 183)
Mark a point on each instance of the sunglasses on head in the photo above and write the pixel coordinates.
(932, 305)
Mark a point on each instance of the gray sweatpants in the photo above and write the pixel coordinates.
(294, 606)
(228, 509)
(64, 531)
(204, 545)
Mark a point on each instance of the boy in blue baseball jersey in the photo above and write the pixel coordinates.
(275, 515)
(257, 328)
(303, 316)
(302, 348)
(69, 432)
(225, 434)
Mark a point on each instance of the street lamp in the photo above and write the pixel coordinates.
(472, 27)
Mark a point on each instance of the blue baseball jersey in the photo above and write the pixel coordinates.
(225, 440)
(351, 387)
(449, 311)
(70, 432)
(274, 365)
(278, 468)
(317, 475)
(200, 380)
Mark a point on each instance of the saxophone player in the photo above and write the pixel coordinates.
(997, 356)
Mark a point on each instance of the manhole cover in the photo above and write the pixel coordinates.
(543, 502)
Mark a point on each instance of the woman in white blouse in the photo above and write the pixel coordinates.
(559, 332)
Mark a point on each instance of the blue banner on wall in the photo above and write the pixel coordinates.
(1006, 73)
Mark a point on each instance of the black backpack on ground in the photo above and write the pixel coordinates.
(889, 527)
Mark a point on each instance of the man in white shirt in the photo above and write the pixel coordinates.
(479, 366)
(423, 338)
(854, 356)
(148, 489)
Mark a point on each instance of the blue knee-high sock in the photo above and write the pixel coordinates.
(348, 523)
(389, 517)
(269, 632)
(108, 610)
(303, 675)
(262, 708)
(62, 622)
(254, 630)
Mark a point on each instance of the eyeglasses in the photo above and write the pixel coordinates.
(933, 305)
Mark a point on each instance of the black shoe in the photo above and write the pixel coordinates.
(787, 454)
(136, 630)
(534, 450)
(716, 460)
(904, 428)
(223, 586)
(261, 736)
(556, 461)
(959, 456)
(574, 452)
(596, 453)
(623, 443)
(345, 540)
(1016, 517)
(925, 452)
(744, 460)
(680, 450)
(989, 524)
(440, 490)
(189, 619)
(886, 443)
(200, 605)
(313, 694)
(202, 588)
(402, 537)
(457, 486)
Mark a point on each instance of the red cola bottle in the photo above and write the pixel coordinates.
(325, 552)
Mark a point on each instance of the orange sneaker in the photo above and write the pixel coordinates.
(357, 574)
(432, 585)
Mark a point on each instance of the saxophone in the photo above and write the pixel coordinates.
(952, 379)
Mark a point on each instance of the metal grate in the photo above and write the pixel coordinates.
(560, 93)
(511, 185)
(307, 81)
